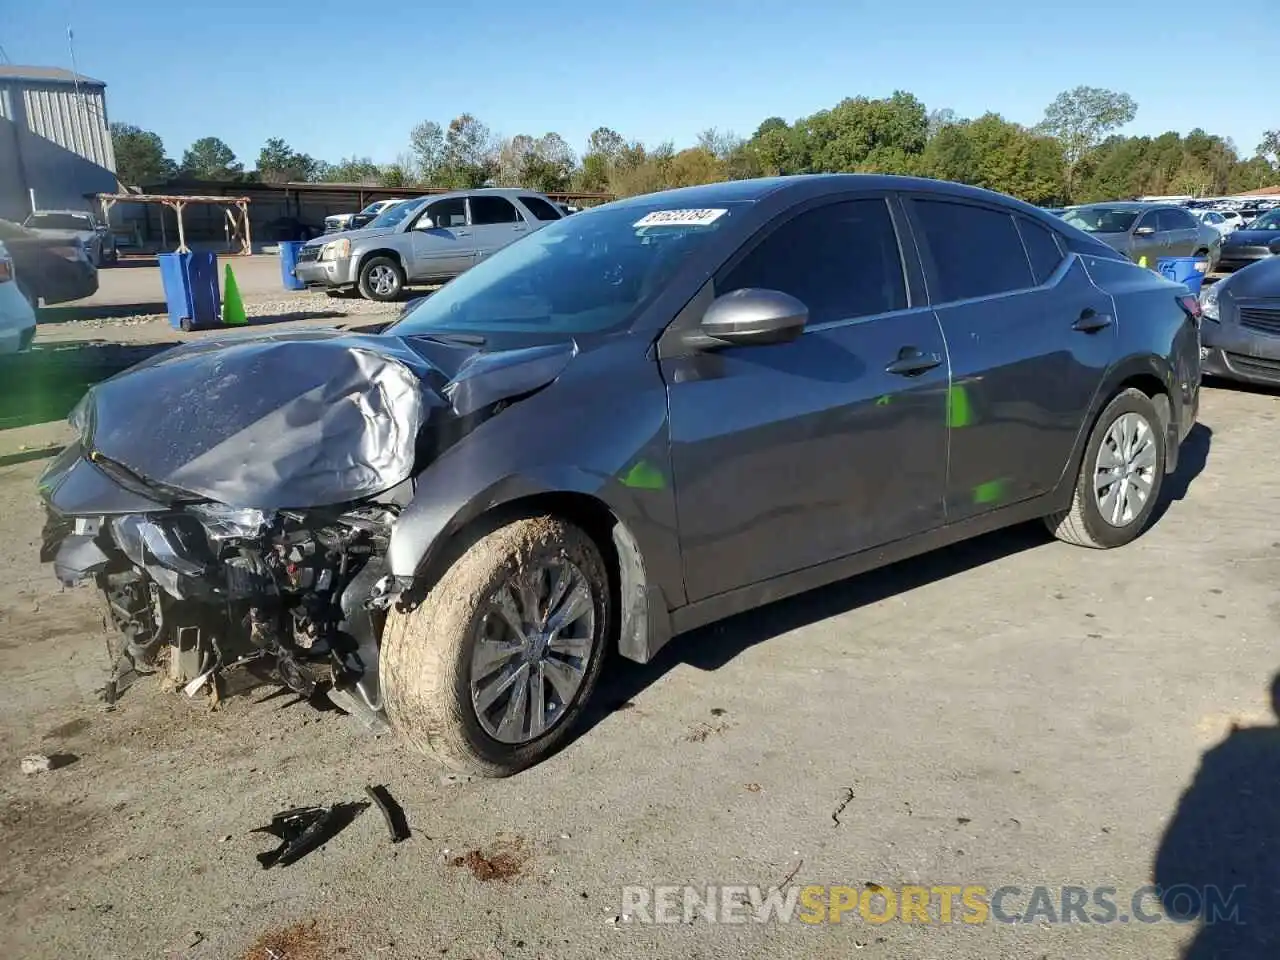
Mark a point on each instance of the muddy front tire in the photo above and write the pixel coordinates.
(490, 672)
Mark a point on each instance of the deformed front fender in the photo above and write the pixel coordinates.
(559, 441)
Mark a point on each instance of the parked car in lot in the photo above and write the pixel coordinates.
(17, 316)
(1240, 333)
(428, 240)
(645, 417)
(1258, 241)
(1150, 230)
(1224, 221)
(49, 269)
(338, 222)
(98, 241)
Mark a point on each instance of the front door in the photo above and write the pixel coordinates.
(1153, 246)
(443, 245)
(785, 456)
(1030, 338)
(495, 222)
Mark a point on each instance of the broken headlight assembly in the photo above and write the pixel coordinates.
(141, 538)
(221, 522)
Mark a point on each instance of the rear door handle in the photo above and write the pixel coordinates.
(911, 362)
(1091, 322)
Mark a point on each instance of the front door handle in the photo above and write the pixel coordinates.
(462, 233)
(911, 362)
(1091, 322)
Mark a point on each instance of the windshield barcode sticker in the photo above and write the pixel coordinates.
(680, 218)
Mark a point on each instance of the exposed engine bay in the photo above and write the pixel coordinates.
(245, 526)
(211, 589)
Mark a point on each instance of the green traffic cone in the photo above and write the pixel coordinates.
(233, 314)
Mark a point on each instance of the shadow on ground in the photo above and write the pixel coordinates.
(1219, 859)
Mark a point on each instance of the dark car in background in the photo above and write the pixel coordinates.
(636, 420)
(98, 242)
(49, 269)
(1240, 333)
(1255, 241)
(1147, 230)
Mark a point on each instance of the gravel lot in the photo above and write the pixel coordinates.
(1013, 711)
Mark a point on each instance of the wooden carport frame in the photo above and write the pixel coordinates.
(177, 203)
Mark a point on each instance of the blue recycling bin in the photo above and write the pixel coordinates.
(289, 250)
(1188, 270)
(191, 290)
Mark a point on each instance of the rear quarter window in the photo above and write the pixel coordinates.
(1043, 249)
(972, 251)
(540, 208)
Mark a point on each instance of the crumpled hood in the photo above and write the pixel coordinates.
(294, 420)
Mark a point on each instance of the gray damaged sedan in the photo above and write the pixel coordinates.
(640, 419)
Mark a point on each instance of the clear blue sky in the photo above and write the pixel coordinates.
(652, 69)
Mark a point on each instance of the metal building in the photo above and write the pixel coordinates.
(54, 141)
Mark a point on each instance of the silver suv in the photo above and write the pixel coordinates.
(428, 240)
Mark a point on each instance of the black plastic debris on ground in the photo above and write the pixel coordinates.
(304, 829)
(392, 812)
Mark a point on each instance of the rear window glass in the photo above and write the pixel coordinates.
(540, 208)
(1042, 249)
(975, 251)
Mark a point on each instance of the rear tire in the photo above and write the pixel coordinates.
(1120, 476)
(436, 696)
(381, 279)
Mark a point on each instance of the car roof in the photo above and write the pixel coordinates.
(509, 192)
(815, 184)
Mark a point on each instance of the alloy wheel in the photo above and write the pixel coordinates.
(532, 649)
(382, 280)
(1124, 473)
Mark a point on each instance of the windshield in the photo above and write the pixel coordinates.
(589, 273)
(392, 216)
(1101, 219)
(1268, 221)
(59, 221)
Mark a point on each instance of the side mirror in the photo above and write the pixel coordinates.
(754, 316)
(1144, 232)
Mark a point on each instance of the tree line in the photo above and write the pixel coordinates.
(1073, 155)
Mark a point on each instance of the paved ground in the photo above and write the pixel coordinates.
(1013, 711)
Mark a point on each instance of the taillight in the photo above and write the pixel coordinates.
(1192, 306)
(6, 270)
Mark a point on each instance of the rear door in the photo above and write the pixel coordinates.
(785, 456)
(1180, 232)
(495, 222)
(1029, 337)
(443, 245)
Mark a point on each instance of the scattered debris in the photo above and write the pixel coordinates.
(39, 763)
(304, 829)
(452, 779)
(197, 939)
(844, 802)
(503, 864)
(702, 731)
(392, 812)
(718, 711)
(564, 836)
(964, 820)
(301, 941)
(752, 787)
(873, 887)
(792, 875)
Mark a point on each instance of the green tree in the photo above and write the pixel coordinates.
(603, 149)
(470, 157)
(280, 163)
(1081, 118)
(1269, 148)
(140, 157)
(211, 159)
(361, 170)
(426, 142)
(548, 165)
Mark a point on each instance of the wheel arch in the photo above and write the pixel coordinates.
(1148, 373)
(364, 258)
(643, 623)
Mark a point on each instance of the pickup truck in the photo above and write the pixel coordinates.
(337, 222)
(75, 225)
